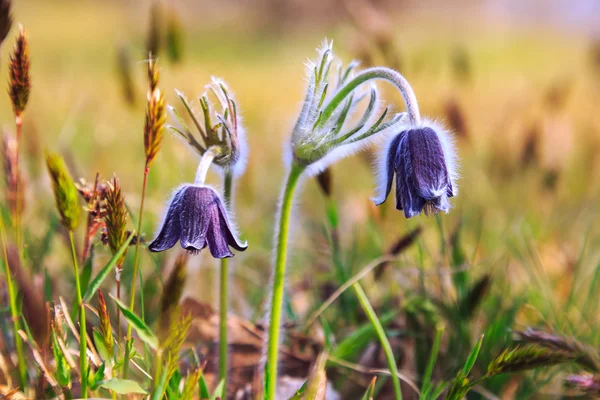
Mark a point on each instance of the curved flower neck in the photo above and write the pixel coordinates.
(204, 165)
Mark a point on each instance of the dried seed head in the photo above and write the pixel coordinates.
(116, 218)
(527, 357)
(105, 327)
(155, 115)
(587, 383)
(153, 43)
(174, 36)
(14, 181)
(20, 82)
(94, 195)
(124, 63)
(325, 182)
(64, 189)
(5, 19)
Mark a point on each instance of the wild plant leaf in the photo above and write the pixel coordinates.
(94, 381)
(63, 370)
(122, 386)
(143, 331)
(427, 386)
(472, 357)
(101, 347)
(370, 390)
(203, 388)
(219, 390)
(299, 395)
(98, 279)
(360, 338)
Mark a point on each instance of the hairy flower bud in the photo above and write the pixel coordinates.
(219, 128)
(20, 82)
(197, 218)
(64, 189)
(424, 162)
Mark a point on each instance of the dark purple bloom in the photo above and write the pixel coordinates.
(197, 218)
(423, 161)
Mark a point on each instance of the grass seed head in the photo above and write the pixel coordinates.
(116, 217)
(155, 115)
(526, 357)
(105, 327)
(20, 81)
(64, 190)
(172, 292)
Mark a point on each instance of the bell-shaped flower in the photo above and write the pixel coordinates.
(341, 112)
(196, 217)
(423, 159)
(218, 127)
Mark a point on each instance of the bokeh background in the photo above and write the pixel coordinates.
(517, 81)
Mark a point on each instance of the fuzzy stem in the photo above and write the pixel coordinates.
(17, 216)
(204, 165)
(82, 326)
(383, 340)
(285, 212)
(224, 292)
(135, 269)
(384, 73)
(12, 298)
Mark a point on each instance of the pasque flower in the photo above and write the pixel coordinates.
(423, 159)
(197, 218)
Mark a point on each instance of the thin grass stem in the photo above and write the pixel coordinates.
(82, 326)
(135, 269)
(383, 340)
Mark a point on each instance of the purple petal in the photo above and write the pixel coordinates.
(429, 172)
(170, 229)
(226, 227)
(194, 218)
(389, 165)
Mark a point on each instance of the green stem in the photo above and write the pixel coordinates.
(385, 344)
(224, 292)
(285, 212)
(12, 298)
(82, 326)
(135, 269)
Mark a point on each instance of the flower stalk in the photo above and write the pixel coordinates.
(82, 324)
(224, 291)
(285, 212)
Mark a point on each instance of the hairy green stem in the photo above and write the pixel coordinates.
(384, 73)
(383, 340)
(82, 327)
(285, 212)
(224, 292)
(12, 298)
(135, 270)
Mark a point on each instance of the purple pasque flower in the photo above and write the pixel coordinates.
(197, 218)
(423, 160)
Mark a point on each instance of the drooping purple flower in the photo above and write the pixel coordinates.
(423, 161)
(197, 218)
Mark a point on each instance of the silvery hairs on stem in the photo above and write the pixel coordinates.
(218, 127)
(340, 114)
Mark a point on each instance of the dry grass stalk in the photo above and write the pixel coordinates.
(14, 181)
(169, 302)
